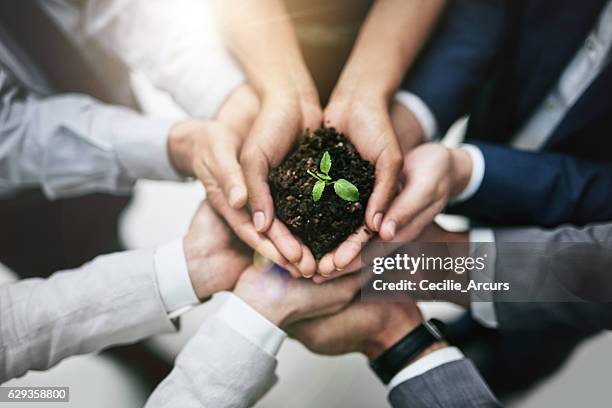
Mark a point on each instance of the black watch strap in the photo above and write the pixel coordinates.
(414, 343)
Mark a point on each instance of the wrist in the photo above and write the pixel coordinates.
(181, 145)
(461, 169)
(274, 313)
(401, 319)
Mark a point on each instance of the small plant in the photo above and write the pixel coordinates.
(343, 188)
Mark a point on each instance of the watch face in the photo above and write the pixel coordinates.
(432, 328)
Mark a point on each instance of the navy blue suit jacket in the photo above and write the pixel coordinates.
(497, 60)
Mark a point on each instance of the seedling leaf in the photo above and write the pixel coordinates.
(326, 163)
(346, 190)
(317, 190)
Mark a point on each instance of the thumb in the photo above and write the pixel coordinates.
(387, 169)
(256, 170)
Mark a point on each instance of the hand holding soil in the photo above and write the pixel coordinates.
(321, 190)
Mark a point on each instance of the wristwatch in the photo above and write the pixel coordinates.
(401, 353)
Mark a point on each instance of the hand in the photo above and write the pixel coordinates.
(281, 122)
(432, 175)
(409, 134)
(365, 120)
(214, 256)
(262, 37)
(210, 151)
(366, 327)
(282, 300)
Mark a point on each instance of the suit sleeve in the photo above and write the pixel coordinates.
(569, 265)
(112, 300)
(458, 57)
(539, 188)
(455, 384)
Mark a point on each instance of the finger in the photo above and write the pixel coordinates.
(334, 115)
(286, 243)
(307, 265)
(226, 169)
(351, 248)
(325, 268)
(312, 115)
(414, 228)
(336, 265)
(240, 222)
(414, 199)
(388, 167)
(256, 169)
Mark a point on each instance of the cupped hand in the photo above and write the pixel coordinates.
(284, 117)
(366, 123)
(210, 151)
(432, 174)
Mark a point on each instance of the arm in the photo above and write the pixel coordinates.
(454, 384)
(111, 300)
(174, 43)
(540, 188)
(115, 299)
(468, 37)
(393, 32)
(261, 36)
(438, 377)
(573, 289)
(72, 144)
(230, 362)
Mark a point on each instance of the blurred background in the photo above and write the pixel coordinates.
(161, 211)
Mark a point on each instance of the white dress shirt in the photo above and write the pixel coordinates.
(586, 65)
(174, 43)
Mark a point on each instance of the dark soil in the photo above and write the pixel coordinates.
(324, 224)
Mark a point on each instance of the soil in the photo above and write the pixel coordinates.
(324, 224)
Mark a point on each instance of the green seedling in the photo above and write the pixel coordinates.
(343, 188)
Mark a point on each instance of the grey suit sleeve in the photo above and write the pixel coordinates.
(112, 300)
(561, 279)
(456, 384)
(217, 368)
(72, 144)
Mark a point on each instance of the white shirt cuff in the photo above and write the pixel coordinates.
(421, 111)
(478, 171)
(422, 365)
(141, 144)
(482, 305)
(241, 317)
(175, 286)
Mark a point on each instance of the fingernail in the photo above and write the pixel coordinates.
(390, 227)
(339, 269)
(259, 219)
(235, 195)
(377, 220)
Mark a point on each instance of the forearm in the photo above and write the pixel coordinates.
(149, 34)
(111, 300)
(394, 32)
(561, 189)
(72, 144)
(230, 362)
(261, 36)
